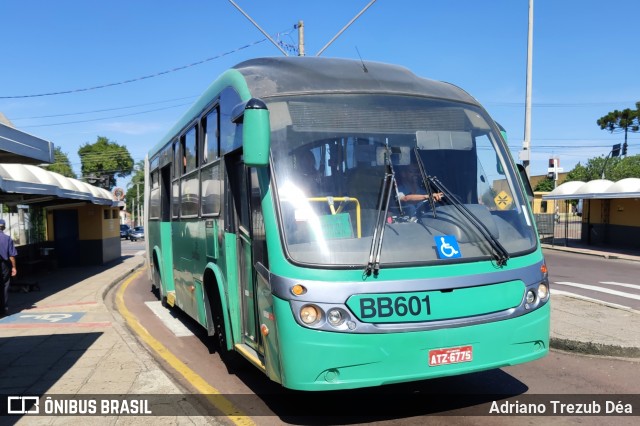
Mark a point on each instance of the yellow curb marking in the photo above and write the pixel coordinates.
(221, 403)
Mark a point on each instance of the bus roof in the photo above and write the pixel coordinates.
(267, 77)
(280, 76)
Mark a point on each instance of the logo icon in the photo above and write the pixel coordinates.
(23, 405)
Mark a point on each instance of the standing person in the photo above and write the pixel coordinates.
(8, 255)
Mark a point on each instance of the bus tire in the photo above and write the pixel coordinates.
(216, 328)
(156, 283)
(220, 336)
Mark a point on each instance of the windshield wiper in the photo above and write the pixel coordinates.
(425, 180)
(389, 183)
(500, 253)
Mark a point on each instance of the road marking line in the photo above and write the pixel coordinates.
(140, 253)
(589, 299)
(172, 323)
(600, 289)
(212, 394)
(634, 286)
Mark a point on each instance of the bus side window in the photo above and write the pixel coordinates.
(177, 160)
(210, 137)
(190, 150)
(229, 141)
(175, 181)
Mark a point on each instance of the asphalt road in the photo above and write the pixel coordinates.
(461, 400)
(609, 280)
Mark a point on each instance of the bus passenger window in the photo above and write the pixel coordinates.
(229, 98)
(210, 145)
(177, 160)
(190, 145)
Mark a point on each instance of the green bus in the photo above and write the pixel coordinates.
(279, 218)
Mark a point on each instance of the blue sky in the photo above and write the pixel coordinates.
(585, 62)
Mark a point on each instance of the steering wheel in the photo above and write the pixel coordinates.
(424, 205)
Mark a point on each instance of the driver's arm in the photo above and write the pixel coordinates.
(422, 197)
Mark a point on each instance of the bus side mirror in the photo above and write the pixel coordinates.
(256, 133)
(525, 181)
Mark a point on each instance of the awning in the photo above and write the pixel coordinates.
(20, 147)
(24, 184)
(596, 189)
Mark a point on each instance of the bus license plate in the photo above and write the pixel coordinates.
(450, 355)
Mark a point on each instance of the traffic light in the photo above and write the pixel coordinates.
(624, 148)
(552, 171)
(615, 152)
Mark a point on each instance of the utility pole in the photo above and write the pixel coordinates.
(138, 200)
(525, 154)
(300, 38)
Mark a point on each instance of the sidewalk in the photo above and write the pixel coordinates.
(590, 327)
(63, 339)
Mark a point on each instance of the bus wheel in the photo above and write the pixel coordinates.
(220, 339)
(156, 284)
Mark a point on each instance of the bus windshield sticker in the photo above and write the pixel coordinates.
(447, 247)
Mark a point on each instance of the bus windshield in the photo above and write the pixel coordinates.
(334, 156)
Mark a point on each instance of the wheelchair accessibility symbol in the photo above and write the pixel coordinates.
(447, 247)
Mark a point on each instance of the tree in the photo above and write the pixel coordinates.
(627, 120)
(545, 185)
(614, 169)
(104, 161)
(61, 164)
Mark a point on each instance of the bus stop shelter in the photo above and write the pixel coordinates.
(64, 215)
(609, 213)
(17, 146)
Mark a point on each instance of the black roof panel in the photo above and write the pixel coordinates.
(268, 77)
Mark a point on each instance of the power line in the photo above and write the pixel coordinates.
(558, 104)
(102, 110)
(132, 80)
(108, 118)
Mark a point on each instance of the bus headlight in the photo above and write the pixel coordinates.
(531, 297)
(309, 314)
(543, 291)
(335, 317)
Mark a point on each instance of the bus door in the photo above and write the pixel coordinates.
(166, 249)
(240, 185)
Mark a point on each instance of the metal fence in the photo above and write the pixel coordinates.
(563, 229)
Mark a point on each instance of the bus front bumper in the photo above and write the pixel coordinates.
(319, 360)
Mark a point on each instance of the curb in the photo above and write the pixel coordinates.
(605, 255)
(591, 348)
(119, 278)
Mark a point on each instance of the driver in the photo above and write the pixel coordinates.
(411, 190)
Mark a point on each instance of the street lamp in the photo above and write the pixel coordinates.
(615, 152)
